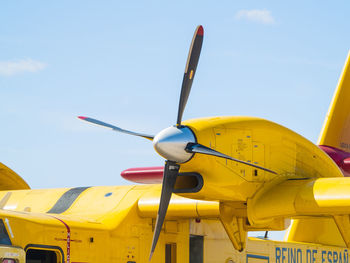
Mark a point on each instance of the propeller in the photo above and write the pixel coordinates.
(177, 144)
(171, 170)
(115, 128)
(190, 70)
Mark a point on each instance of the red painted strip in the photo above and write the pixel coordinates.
(82, 117)
(68, 238)
(65, 239)
(144, 175)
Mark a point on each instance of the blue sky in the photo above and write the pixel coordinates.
(123, 61)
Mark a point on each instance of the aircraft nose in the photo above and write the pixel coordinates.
(171, 143)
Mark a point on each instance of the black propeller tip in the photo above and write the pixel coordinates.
(190, 70)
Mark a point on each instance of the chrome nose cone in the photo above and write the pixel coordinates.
(171, 143)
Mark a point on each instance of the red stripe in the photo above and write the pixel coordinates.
(68, 238)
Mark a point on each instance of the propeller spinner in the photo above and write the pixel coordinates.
(177, 144)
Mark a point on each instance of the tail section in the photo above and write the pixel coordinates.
(336, 128)
(335, 135)
(335, 141)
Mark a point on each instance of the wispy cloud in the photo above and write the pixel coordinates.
(10, 68)
(262, 16)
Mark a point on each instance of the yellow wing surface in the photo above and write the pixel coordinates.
(296, 198)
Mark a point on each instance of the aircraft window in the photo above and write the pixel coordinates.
(41, 256)
(196, 249)
(4, 236)
(170, 253)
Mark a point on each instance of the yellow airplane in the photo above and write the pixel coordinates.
(229, 175)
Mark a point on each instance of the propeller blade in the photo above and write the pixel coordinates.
(190, 70)
(115, 128)
(198, 148)
(171, 170)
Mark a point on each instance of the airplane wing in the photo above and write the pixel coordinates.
(307, 197)
(322, 197)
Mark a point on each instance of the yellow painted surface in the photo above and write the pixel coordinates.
(315, 230)
(179, 207)
(271, 145)
(9, 180)
(115, 223)
(121, 231)
(295, 198)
